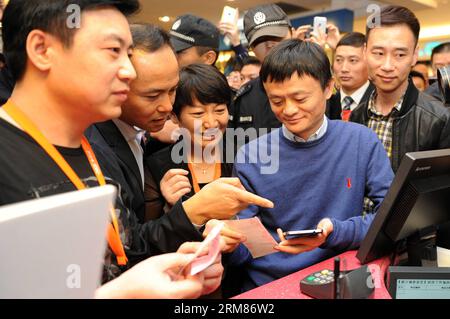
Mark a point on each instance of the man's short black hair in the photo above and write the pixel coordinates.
(441, 48)
(416, 74)
(202, 83)
(149, 37)
(202, 50)
(250, 60)
(396, 15)
(352, 39)
(23, 16)
(296, 56)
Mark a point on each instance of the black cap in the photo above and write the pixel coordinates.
(189, 31)
(265, 20)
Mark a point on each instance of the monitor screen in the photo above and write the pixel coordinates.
(419, 197)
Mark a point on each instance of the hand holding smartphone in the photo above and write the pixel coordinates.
(302, 233)
(320, 24)
(229, 15)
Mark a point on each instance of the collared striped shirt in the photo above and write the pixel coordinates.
(382, 124)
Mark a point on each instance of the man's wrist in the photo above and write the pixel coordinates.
(328, 226)
(235, 42)
(194, 212)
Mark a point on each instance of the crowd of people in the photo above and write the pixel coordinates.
(161, 121)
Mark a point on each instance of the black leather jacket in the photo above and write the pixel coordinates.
(422, 124)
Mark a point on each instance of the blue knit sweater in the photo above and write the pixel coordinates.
(328, 177)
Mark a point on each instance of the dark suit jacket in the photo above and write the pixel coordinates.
(435, 92)
(107, 136)
(334, 107)
(162, 235)
(6, 85)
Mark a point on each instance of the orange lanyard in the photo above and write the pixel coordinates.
(217, 173)
(113, 235)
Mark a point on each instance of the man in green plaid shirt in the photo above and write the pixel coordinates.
(382, 124)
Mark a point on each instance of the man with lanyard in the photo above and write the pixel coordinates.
(68, 78)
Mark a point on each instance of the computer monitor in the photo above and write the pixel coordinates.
(54, 247)
(419, 197)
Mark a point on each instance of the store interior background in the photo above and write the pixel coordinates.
(433, 15)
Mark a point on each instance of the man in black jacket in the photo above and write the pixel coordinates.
(350, 70)
(147, 108)
(404, 119)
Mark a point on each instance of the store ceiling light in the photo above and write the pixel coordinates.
(435, 31)
(164, 19)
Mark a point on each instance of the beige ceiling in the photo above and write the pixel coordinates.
(212, 9)
(208, 9)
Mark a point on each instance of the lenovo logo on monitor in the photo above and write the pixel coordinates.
(424, 168)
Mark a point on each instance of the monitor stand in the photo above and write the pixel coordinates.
(421, 248)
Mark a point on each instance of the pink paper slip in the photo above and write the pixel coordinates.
(259, 241)
(213, 241)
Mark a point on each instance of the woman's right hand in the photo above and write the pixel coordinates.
(230, 239)
(175, 184)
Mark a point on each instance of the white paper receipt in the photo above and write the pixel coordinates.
(259, 241)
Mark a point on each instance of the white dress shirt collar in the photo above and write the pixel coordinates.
(317, 135)
(128, 131)
(356, 96)
(133, 135)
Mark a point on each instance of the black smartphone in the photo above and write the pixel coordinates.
(302, 233)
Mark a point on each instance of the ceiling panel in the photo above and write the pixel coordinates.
(208, 9)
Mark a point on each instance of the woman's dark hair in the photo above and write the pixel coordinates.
(296, 56)
(396, 15)
(20, 17)
(202, 83)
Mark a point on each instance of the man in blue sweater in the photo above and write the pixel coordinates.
(324, 169)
